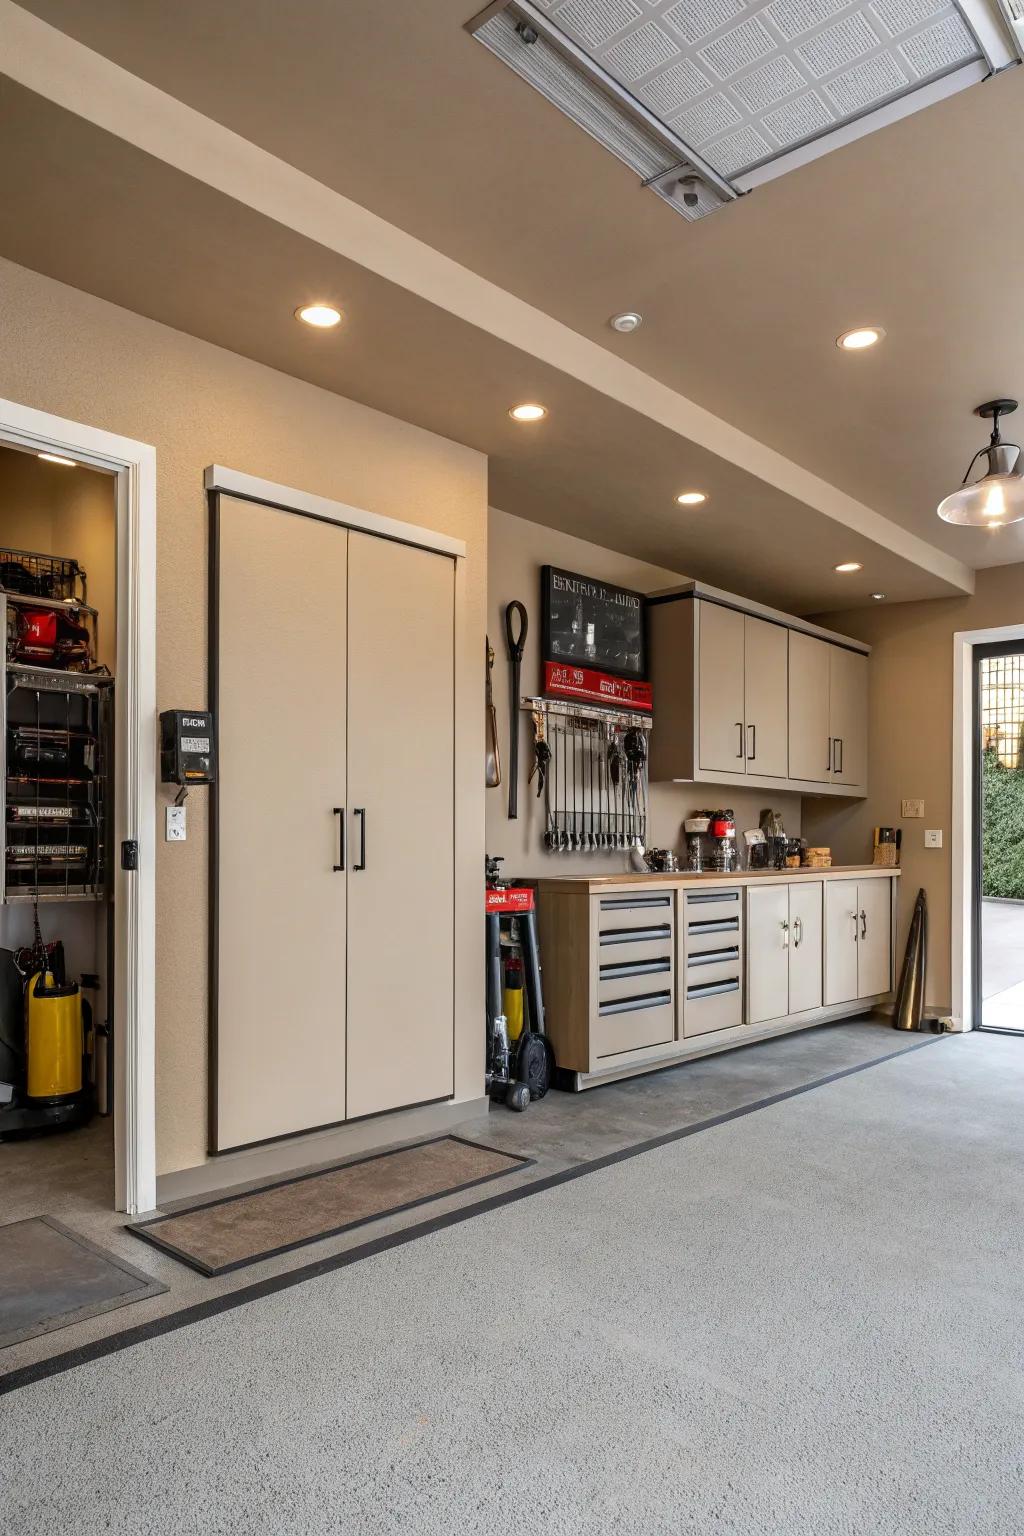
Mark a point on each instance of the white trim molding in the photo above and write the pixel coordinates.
(251, 488)
(962, 959)
(134, 466)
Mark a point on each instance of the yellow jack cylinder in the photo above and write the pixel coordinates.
(54, 1040)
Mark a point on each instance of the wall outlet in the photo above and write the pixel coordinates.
(912, 808)
(174, 825)
(933, 839)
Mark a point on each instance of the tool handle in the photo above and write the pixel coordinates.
(516, 643)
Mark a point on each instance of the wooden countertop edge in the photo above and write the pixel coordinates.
(682, 879)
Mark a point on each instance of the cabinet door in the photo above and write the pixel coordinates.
(720, 673)
(766, 697)
(768, 938)
(842, 930)
(848, 715)
(279, 934)
(401, 605)
(810, 754)
(874, 972)
(805, 946)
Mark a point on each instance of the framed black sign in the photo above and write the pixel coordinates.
(594, 640)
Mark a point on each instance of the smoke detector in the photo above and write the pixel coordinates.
(706, 99)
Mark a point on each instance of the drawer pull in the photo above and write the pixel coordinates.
(631, 903)
(697, 898)
(713, 956)
(634, 935)
(613, 972)
(711, 989)
(633, 1004)
(714, 925)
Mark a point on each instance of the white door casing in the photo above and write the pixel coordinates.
(135, 769)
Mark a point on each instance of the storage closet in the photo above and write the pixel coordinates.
(57, 619)
(332, 965)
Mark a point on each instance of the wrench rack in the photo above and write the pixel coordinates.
(596, 781)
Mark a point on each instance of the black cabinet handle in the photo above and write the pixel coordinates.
(752, 752)
(828, 765)
(839, 763)
(360, 811)
(339, 811)
(739, 727)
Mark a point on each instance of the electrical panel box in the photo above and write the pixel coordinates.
(188, 753)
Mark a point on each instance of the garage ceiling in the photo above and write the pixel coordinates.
(911, 229)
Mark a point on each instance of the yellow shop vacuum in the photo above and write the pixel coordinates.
(52, 1087)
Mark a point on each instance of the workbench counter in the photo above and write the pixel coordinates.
(683, 878)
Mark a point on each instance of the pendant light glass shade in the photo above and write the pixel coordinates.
(998, 497)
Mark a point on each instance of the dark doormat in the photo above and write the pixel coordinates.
(241, 1229)
(50, 1277)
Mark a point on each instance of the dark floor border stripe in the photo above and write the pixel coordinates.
(85, 1354)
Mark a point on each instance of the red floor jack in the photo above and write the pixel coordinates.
(523, 1069)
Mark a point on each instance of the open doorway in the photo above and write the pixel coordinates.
(58, 999)
(998, 839)
(100, 898)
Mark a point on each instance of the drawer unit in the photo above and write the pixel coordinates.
(633, 985)
(711, 961)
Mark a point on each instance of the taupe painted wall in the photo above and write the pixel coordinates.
(911, 744)
(516, 551)
(69, 353)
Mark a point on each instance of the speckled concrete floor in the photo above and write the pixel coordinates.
(71, 1176)
(803, 1322)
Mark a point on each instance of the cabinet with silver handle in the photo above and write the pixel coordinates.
(858, 939)
(784, 956)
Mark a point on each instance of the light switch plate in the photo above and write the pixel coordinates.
(174, 826)
(933, 839)
(912, 808)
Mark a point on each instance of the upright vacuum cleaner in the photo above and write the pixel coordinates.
(521, 1068)
(45, 1041)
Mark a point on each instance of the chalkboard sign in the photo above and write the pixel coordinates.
(594, 642)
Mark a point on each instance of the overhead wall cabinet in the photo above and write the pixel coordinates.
(746, 695)
(336, 741)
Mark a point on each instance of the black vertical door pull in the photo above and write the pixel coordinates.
(360, 811)
(339, 811)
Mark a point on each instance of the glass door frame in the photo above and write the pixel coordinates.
(980, 653)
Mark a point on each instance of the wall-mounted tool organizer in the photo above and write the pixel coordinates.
(55, 788)
(590, 764)
(47, 620)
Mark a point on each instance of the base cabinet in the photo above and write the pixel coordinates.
(784, 950)
(646, 974)
(858, 939)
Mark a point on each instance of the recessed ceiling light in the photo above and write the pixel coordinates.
(528, 412)
(629, 320)
(847, 566)
(322, 316)
(59, 458)
(863, 336)
(691, 498)
(878, 596)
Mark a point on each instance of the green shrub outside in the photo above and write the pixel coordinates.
(1002, 796)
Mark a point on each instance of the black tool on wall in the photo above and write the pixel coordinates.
(516, 644)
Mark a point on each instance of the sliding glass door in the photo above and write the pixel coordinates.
(999, 837)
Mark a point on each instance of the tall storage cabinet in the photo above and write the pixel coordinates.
(332, 983)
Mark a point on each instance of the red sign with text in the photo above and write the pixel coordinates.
(509, 898)
(570, 682)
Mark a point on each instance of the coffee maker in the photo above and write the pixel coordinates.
(711, 842)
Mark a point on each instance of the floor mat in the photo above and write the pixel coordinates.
(227, 1234)
(50, 1278)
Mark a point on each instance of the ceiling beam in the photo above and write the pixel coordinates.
(64, 71)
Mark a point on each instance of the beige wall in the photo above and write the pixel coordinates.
(911, 744)
(516, 551)
(77, 356)
(54, 510)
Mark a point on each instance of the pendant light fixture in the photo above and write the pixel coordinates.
(998, 497)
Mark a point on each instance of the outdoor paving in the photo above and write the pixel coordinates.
(1002, 964)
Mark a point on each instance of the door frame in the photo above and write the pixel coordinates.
(133, 465)
(966, 904)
